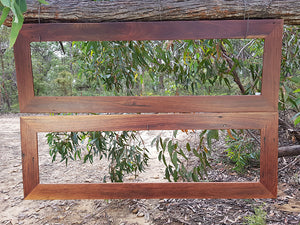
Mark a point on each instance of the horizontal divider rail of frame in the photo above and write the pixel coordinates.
(166, 121)
(151, 104)
(265, 121)
(270, 30)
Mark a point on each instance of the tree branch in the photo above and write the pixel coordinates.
(289, 151)
(78, 11)
(290, 164)
(234, 73)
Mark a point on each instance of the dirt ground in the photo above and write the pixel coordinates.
(14, 210)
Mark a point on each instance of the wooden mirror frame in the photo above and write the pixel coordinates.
(265, 188)
(204, 112)
(270, 30)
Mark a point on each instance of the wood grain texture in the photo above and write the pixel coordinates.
(22, 55)
(206, 190)
(148, 122)
(269, 155)
(167, 30)
(272, 65)
(30, 164)
(84, 11)
(151, 104)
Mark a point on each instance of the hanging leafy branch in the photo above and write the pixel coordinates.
(17, 7)
(242, 149)
(124, 150)
(178, 159)
(179, 67)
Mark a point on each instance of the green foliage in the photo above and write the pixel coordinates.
(241, 149)
(296, 119)
(8, 84)
(43, 2)
(211, 135)
(63, 84)
(289, 97)
(258, 218)
(18, 7)
(178, 159)
(54, 69)
(124, 150)
(5, 12)
(179, 67)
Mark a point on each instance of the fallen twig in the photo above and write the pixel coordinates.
(290, 164)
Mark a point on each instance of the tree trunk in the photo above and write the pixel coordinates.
(289, 151)
(76, 11)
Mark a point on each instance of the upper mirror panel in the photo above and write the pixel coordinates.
(148, 68)
(138, 67)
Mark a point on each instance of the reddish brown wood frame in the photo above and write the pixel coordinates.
(209, 112)
(270, 30)
(266, 188)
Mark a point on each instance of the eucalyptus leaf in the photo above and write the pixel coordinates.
(15, 8)
(167, 174)
(175, 160)
(4, 14)
(188, 147)
(6, 3)
(212, 134)
(15, 29)
(182, 154)
(297, 120)
(22, 4)
(43, 2)
(175, 133)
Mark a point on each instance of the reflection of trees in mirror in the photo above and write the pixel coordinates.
(125, 150)
(54, 68)
(187, 155)
(242, 149)
(179, 67)
(191, 158)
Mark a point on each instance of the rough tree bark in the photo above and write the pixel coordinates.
(155, 10)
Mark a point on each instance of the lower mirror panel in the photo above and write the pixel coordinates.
(261, 185)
